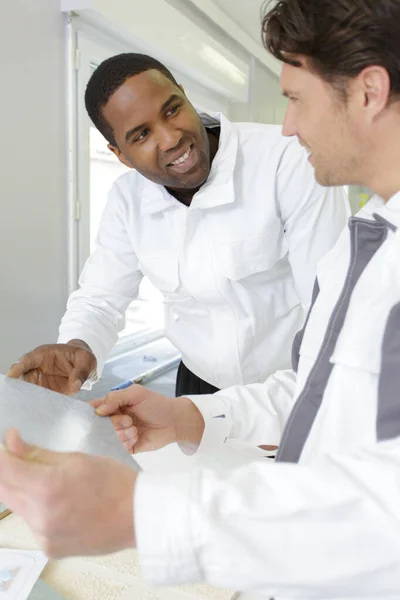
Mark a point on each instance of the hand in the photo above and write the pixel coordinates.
(142, 419)
(59, 367)
(146, 421)
(75, 504)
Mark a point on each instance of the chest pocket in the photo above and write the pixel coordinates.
(163, 272)
(359, 345)
(246, 257)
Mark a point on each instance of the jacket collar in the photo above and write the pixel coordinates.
(390, 211)
(217, 190)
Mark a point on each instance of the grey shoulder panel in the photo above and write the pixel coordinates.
(388, 414)
(366, 239)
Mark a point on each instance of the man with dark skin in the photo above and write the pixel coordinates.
(226, 220)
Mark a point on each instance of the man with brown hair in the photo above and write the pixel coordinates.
(323, 520)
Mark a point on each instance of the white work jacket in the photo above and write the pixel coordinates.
(236, 268)
(329, 526)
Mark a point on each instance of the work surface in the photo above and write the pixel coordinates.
(113, 577)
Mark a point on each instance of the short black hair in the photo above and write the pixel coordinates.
(109, 76)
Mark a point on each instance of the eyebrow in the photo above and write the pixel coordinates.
(167, 103)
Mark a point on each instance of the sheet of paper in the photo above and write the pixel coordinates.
(19, 571)
(57, 422)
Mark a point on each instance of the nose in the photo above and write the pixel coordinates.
(168, 137)
(289, 127)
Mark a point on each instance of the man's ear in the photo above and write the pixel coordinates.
(375, 82)
(119, 155)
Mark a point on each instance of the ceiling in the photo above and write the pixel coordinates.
(246, 13)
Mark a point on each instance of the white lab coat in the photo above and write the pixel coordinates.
(236, 268)
(328, 527)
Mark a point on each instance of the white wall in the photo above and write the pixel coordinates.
(268, 103)
(32, 176)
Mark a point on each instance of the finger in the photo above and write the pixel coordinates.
(18, 474)
(18, 448)
(130, 445)
(141, 446)
(14, 444)
(131, 396)
(121, 421)
(77, 378)
(14, 498)
(31, 376)
(128, 442)
(19, 479)
(97, 402)
(25, 363)
(127, 434)
(109, 405)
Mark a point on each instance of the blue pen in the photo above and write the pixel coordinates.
(147, 375)
(122, 386)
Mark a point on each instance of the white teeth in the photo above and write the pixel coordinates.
(183, 158)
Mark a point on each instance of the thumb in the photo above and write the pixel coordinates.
(108, 405)
(96, 403)
(114, 401)
(16, 446)
(77, 379)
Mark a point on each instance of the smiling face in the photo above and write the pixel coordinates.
(158, 132)
(330, 127)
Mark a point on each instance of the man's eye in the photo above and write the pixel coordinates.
(172, 110)
(142, 135)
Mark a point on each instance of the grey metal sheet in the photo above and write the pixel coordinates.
(57, 422)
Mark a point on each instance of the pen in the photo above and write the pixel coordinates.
(5, 513)
(122, 386)
(150, 374)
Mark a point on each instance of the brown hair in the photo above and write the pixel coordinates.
(339, 37)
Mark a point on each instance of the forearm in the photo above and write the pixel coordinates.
(328, 530)
(93, 322)
(107, 285)
(189, 422)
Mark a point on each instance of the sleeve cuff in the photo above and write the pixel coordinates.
(217, 421)
(164, 533)
(91, 380)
